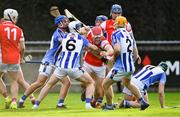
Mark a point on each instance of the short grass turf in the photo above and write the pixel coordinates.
(76, 108)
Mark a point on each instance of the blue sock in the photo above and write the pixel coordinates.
(61, 101)
(100, 99)
(140, 99)
(127, 104)
(23, 97)
(37, 103)
(88, 100)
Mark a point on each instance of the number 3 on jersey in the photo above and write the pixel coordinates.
(11, 32)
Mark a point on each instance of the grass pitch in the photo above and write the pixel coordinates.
(76, 108)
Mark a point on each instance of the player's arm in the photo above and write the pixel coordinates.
(108, 50)
(89, 45)
(161, 95)
(136, 53)
(117, 50)
(22, 47)
(116, 46)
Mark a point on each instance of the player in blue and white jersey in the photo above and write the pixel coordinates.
(147, 76)
(48, 62)
(69, 63)
(125, 53)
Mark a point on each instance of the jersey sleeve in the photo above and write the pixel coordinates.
(115, 39)
(103, 25)
(104, 43)
(163, 78)
(85, 41)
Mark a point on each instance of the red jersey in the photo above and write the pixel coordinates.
(89, 57)
(10, 36)
(109, 27)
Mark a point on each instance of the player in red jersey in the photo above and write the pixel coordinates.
(21, 82)
(108, 26)
(93, 62)
(11, 50)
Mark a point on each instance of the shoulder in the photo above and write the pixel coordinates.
(17, 27)
(128, 27)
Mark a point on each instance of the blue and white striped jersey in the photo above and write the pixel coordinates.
(72, 46)
(53, 53)
(124, 61)
(150, 74)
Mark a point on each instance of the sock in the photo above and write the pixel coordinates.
(23, 98)
(13, 99)
(88, 100)
(109, 105)
(37, 103)
(141, 100)
(100, 99)
(61, 102)
(7, 98)
(126, 104)
(5, 95)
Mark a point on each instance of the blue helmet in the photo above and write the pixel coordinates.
(116, 8)
(163, 65)
(101, 18)
(59, 19)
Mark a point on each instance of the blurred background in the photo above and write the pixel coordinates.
(150, 19)
(156, 26)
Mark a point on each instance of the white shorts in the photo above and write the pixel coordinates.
(118, 75)
(99, 71)
(136, 83)
(9, 67)
(72, 73)
(46, 70)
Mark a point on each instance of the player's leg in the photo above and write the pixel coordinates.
(3, 86)
(4, 92)
(13, 75)
(65, 85)
(86, 79)
(135, 91)
(107, 86)
(34, 86)
(44, 91)
(100, 73)
(44, 73)
(86, 67)
(24, 84)
(98, 94)
(129, 100)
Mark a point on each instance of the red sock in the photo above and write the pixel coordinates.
(13, 99)
(5, 94)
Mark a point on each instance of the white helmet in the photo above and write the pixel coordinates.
(74, 26)
(10, 14)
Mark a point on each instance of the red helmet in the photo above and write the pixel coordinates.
(96, 31)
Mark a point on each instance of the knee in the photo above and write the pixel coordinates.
(67, 83)
(104, 85)
(39, 83)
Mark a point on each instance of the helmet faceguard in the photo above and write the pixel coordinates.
(101, 18)
(116, 9)
(75, 26)
(59, 21)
